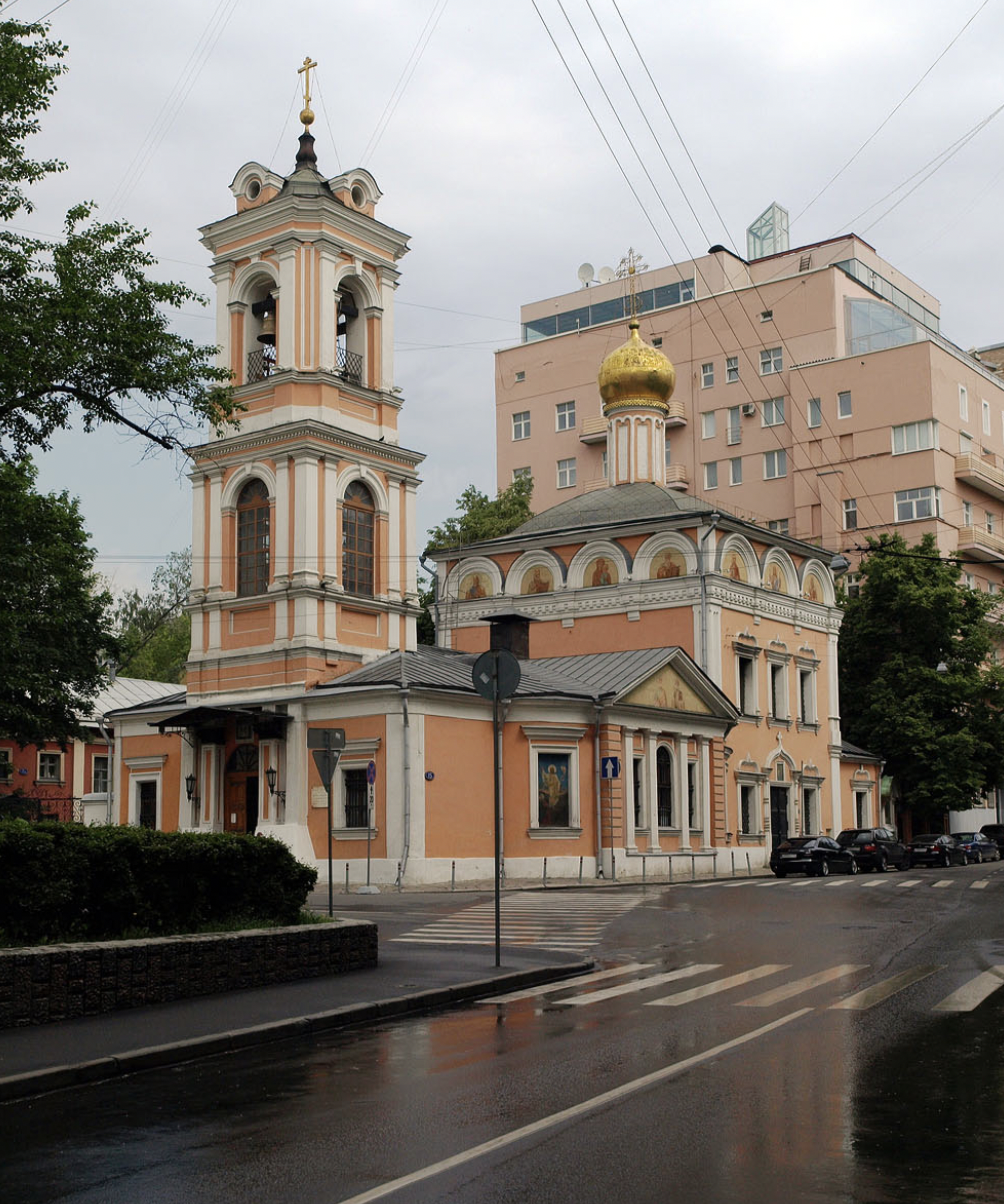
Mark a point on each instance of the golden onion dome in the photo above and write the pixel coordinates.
(636, 374)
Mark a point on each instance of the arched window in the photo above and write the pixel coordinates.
(358, 514)
(252, 539)
(664, 786)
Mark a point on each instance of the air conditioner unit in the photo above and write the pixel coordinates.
(749, 408)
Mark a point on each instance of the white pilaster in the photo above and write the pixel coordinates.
(704, 788)
(651, 787)
(627, 773)
(329, 307)
(198, 532)
(395, 546)
(287, 354)
(683, 794)
(215, 581)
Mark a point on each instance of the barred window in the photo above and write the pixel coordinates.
(252, 539)
(358, 523)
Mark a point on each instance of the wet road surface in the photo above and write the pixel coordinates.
(811, 1040)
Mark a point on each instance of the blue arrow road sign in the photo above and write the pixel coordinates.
(611, 767)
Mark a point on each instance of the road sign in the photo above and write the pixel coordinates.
(371, 772)
(611, 767)
(326, 760)
(488, 678)
(326, 737)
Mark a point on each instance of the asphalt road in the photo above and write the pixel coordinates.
(807, 1040)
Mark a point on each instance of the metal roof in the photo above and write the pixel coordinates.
(126, 692)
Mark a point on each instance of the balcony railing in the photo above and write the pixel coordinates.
(349, 366)
(979, 473)
(676, 477)
(593, 430)
(981, 544)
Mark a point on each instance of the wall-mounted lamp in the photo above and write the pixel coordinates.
(190, 786)
(270, 776)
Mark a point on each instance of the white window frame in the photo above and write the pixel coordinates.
(564, 416)
(135, 781)
(521, 426)
(810, 810)
(904, 498)
(106, 767)
(708, 424)
(734, 426)
(736, 470)
(753, 787)
(850, 513)
(915, 436)
(56, 779)
(814, 412)
(777, 690)
(845, 404)
(604, 465)
(707, 375)
(967, 514)
(746, 681)
(807, 712)
(772, 412)
(567, 473)
(775, 464)
(711, 474)
(520, 474)
(986, 417)
(357, 763)
(771, 361)
(965, 443)
(963, 403)
(731, 369)
(542, 749)
(778, 525)
(991, 521)
(520, 377)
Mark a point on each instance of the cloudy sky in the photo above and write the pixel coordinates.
(488, 157)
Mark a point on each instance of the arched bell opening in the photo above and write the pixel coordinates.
(350, 350)
(260, 327)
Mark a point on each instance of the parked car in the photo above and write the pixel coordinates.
(977, 846)
(995, 832)
(875, 848)
(931, 848)
(811, 855)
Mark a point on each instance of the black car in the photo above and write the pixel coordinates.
(811, 855)
(994, 832)
(930, 848)
(977, 846)
(875, 848)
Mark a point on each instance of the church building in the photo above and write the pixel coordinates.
(678, 689)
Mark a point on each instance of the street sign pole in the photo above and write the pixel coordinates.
(498, 800)
(369, 828)
(331, 824)
(325, 745)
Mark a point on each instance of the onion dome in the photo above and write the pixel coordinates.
(636, 374)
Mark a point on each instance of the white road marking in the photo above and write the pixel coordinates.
(714, 988)
(548, 987)
(568, 1114)
(875, 881)
(779, 994)
(807, 882)
(908, 882)
(770, 882)
(641, 984)
(981, 885)
(942, 883)
(972, 993)
(885, 990)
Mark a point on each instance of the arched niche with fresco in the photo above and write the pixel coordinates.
(778, 574)
(738, 562)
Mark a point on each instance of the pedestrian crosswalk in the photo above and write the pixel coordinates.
(564, 921)
(976, 989)
(891, 881)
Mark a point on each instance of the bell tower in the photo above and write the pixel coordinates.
(303, 543)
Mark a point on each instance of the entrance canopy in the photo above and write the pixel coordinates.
(209, 723)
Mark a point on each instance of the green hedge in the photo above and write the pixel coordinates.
(65, 882)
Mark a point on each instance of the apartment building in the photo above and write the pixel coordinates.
(815, 395)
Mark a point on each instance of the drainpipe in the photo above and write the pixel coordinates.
(406, 771)
(599, 784)
(705, 535)
(109, 738)
(434, 575)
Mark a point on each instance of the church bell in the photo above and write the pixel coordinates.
(268, 328)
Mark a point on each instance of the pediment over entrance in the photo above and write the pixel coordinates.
(667, 690)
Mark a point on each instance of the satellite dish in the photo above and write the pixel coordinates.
(585, 273)
(606, 275)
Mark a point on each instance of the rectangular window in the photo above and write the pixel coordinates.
(815, 412)
(146, 803)
(912, 504)
(965, 443)
(521, 425)
(747, 809)
(778, 691)
(520, 376)
(844, 408)
(99, 775)
(747, 684)
(807, 696)
(808, 810)
(520, 474)
(566, 473)
(970, 580)
(771, 361)
(668, 456)
(603, 461)
(778, 525)
(967, 514)
(850, 513)
(6, 765)
(691, 793)
(775, 464)
(914, 436)
(664, 786)
(711, 475)
(356, 798)
(565, 416)
(963, 403)
(707, 375)
(731, 369)
(50, 767)
(736, 471)
(708, 425)
(990, 521)
(735, 428)
(986, 418)
(773, 412)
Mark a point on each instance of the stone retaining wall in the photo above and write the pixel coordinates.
(58, 982)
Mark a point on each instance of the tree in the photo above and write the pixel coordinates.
(83, 330)
(55, 626)
(154, 632)
(919, 684)
(480, 518)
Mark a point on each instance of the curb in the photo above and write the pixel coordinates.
(57, 1078)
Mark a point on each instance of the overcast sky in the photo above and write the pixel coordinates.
(490, 160)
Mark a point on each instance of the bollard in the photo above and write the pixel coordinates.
(399, 877)
(749, 868)
(580, 871)
(643, 871)
(714, 866)
(346, 877)
(693, 867)
(545, 871)
(732, 854)
(613, 866)
(453, 875)
(670, 860)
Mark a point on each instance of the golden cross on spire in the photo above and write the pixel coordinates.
(628, 266)
(307, 113)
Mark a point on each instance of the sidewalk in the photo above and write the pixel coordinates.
(47, 1057)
